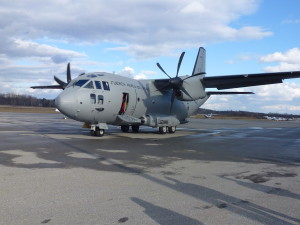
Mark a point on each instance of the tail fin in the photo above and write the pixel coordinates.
(199, 67)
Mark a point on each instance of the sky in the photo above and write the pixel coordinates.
(129, 37)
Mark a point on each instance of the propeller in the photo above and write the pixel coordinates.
(61, 84)
(175, 83)
(69, 78)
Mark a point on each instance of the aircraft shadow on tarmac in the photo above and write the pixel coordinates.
(164, 216)
(212, 197)
(265, 189)
(132, 160)
(223, 201)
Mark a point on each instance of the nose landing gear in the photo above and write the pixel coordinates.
(98, 130)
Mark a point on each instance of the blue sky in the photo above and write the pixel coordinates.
(128, 38)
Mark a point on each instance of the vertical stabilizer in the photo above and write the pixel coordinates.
(199, 67)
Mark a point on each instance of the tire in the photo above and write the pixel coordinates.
(125, 128)
(99, 132)
(163, 130)
(172, 130)
(93, 133)
(135, 128)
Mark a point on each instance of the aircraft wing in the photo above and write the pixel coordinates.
(47, 87)
(246, 80)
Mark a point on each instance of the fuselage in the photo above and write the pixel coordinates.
(102, 97)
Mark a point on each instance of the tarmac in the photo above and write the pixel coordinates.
(209, 172)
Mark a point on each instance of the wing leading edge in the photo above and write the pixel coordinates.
(246, 80)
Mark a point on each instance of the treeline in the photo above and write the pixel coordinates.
(25, 100)
(244, 113)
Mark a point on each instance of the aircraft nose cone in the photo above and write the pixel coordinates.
(66, 104)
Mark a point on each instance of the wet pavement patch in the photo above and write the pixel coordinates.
(263, 177)
(123, 220)
(256, 178)
(46, 221)
(222, 205)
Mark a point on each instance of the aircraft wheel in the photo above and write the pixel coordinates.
(99, 132)
(163, 130)
(125, 128)
(172, 130)
(135, 128)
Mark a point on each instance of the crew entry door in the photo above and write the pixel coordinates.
(128, 103)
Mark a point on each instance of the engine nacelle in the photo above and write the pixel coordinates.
(193, 87)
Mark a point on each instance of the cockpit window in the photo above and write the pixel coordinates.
(90, 85)
(98, 84)
(105, 85)
(80, 83)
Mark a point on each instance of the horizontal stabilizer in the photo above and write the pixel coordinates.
(228, 93)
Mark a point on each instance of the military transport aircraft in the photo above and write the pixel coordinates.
(100, 98)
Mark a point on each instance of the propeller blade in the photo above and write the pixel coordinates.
(179, 63)
(68, 73)
(60, 82)
(159, 66)
(172, 100)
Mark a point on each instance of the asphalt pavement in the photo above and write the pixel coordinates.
(209, 172)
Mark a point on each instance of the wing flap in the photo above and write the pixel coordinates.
(246, 80)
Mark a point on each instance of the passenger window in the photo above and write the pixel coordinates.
(98, 84)
(100, 99)
(105, 85)
(90, 85)
(93, 98)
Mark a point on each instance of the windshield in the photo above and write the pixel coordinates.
(80, 83)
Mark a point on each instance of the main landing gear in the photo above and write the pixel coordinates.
(135, 128)
(164, 130)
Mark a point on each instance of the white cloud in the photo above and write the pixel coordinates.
(194, 7)
(28, 49)
(154, 26)
(277, 98)
(291, 21)
(127, 72)
(282, 108)
(288, 61)
(286, 92)
(130, 72)
(144, 74)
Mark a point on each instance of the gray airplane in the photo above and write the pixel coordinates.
(100, 98)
